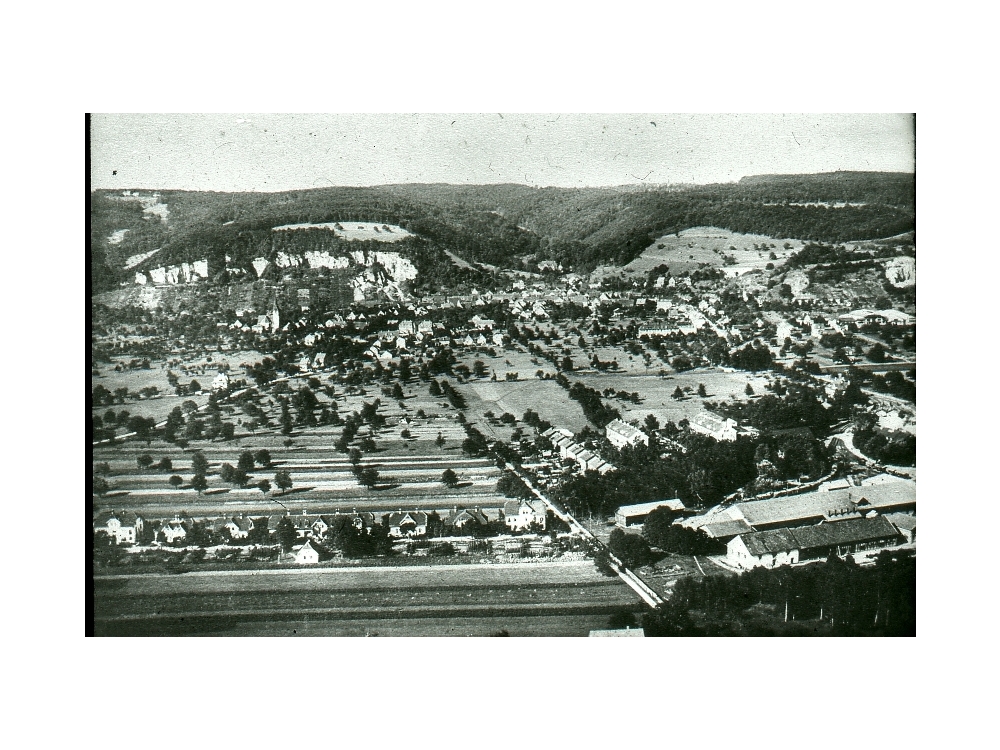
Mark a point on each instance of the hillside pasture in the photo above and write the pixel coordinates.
(692, 247)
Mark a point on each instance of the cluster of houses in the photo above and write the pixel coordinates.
(780, 531)
(568, 449)
(126, 527)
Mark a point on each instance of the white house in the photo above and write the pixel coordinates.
(621, 433)
(714, 426)
(408, 523)
(311, 553)
(123, 527)
(520, 514)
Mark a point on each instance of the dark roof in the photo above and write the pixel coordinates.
(726, 528)
(419, 518)
(822, 535)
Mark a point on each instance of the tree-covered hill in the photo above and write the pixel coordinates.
(501, 224)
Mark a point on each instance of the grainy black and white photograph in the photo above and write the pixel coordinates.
(500, 374)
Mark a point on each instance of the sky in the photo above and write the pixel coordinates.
(273, 152)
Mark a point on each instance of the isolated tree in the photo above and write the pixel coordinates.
(652, 423)
(479, 368)
(246, 462)
(264, 486)
(439, 440)
(701, 390)
(367, 444)
(435, 388)
(748, 390)
(678, 393)
(144, 460)
(368, 476)
(262, 457)
(405, 434)
(567, 363)
(199, 464)
(226, 472)
(239, 477)
(199, 482)
(449, 478)
(165, 464)
(228, 431)
(355, 456)
(284, 480)
(175, 481)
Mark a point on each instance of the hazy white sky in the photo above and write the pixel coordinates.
(232, 152)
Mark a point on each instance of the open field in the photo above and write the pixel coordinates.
(707, 245)
(655, 392)
(526, 599)
(543, 396)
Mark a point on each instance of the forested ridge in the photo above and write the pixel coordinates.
(501, 224)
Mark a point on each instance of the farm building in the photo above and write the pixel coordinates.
(808, 508)
(714, 426)
(621, 433)
(123, 527)
(520, 514)
(906, 524)
(771, 549)
(635, 515)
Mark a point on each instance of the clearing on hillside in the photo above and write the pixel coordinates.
(691, 247)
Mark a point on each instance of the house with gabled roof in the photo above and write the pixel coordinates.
(173, 530)
(407, 524)
(460, 518)
(621, 433)
(771, 549)
(311, 553)
(521, 514)
(124, 527)
(720, 428)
